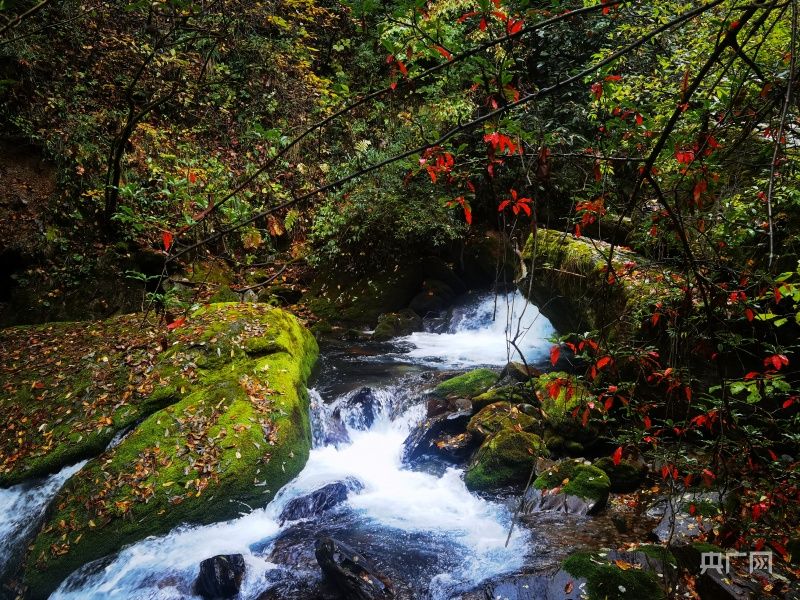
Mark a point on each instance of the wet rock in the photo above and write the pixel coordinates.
(397, 324)
(435, 297)
(514, 393)
(363, 406)
(499, 416)
(444, 436)
(569, 486)
(627, 476)
(323, 499)
(713, 585)
(220, 576)
(352, 573)
(609, 576)
(517, 371)
(438, 406)
(688, 516)
(335, 433)
(505, 458)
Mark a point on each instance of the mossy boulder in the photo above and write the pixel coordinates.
(571, 284)
(516, 393)
(396, 324)
(627, 476)
(499, 416)
(467, 385)
(239, 433)
(559, 395)
(575, 478)
(607, 580)
(506, 458)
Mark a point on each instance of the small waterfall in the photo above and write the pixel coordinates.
(22, 508)
(398, 501)
(478, 333)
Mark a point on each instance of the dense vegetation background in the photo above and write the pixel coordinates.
(345, 136)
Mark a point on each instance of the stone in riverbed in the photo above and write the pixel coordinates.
(498, 416)
(319, 501)
(352, 573)
(397, 324)
(220, 576)
(569, 486)
(467, 385)
(442, 436)
(506, 458)
(625, 477)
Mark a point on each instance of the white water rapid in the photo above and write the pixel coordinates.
(477, 335)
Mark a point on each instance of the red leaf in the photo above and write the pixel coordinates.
(176, 323)
(605, 361)
(555, 353)
(514, 26)
(654, 319)
(482, 25)
(192, 177)
(749, 314)
(443, 52)
(502, 206)
(617, 457)
(789, 402)
(166, 237)
(639, 119)
(699, 189)
(402, 67)
(597, 90)
(585, 419)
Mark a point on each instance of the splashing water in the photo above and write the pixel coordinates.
(22, 508)
(478, 334)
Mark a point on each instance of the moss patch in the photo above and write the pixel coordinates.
(606, 581)
(396, 324)
(504, 459)
(625, 477)
(576, 479)
(508, 393)
(240, 433)
(498, 416)
(570, 282)
(468, 384)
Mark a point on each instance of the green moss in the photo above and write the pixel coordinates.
(627, 476)
(576, 479)
(570, 283)
(396, 324)
(238, 436)
(657, 552)
(570, 394)
(498, 416)
(606, 581)
(506, 458)
(508, 393)
(468, 384)
(224, 294)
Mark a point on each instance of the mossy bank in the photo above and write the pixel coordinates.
(237, 430)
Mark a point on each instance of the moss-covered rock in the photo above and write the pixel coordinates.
(396, 324)
(516, 393)
(498, 416)
(625, 477)
(574, 478)
(435, 296)
(607, 580)
(559, 395)
(240, 432)
(468, 384)
(570, 283)
(506, 458)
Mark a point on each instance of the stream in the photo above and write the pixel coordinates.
(422, 528)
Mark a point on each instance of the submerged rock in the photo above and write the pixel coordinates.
(444, 436)
(361, 408)
(220, 576)
(238, 432)
(569, 486)
(505, 458)
(688, 516)
(352, 573)
(323, 499)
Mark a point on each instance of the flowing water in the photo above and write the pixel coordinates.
(424, 529)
